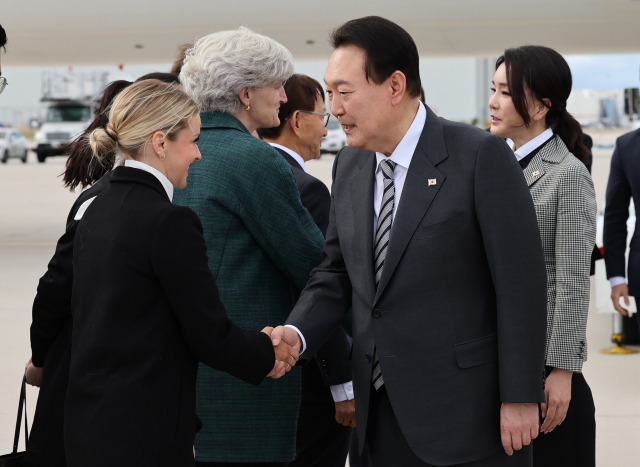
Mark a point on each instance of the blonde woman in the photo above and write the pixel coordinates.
(145, 305)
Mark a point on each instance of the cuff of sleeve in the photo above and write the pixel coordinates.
(342, 392)
(304, 343)
(617, 280)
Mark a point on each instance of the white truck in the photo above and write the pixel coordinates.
(70, 99)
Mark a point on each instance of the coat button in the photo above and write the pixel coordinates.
(376, 313)
(367, 357)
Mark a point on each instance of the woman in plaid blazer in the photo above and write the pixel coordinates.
(528, 108)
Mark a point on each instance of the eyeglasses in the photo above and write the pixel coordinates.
(3, 83)
(325, 115)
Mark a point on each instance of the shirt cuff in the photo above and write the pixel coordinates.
(304, 343)
(342, 392)
(617, 280)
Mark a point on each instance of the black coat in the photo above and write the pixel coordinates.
(456, 328)
(145, 309)
(623, 185)
(50, 340)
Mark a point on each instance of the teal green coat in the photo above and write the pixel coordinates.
(262, 245)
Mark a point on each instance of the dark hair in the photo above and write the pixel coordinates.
(388, 48)
(3, 38)
(81, 167)
(182, 52)
(302, 92)
(546, 74)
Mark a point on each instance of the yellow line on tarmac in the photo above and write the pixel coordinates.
(9, 244)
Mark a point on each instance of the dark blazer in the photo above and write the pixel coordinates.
(50, 342)
(624, 184)
(145, 310)
(334, 357)
(459, 315)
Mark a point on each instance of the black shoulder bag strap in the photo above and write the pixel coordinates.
(22, 405)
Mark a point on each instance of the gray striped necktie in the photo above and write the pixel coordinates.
(383, 232)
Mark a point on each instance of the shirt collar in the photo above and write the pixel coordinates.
(166, 184)
(298, 158)
(535, 143)
(403, 153)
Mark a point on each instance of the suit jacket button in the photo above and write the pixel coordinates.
(367, 357)
(376, 313)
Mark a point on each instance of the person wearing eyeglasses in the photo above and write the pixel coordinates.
(3, 43)
(327, 408)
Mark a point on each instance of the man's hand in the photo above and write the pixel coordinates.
(518, 425)
(287, 335)
(286, 356)
(621, 290)
(34, 374)
(346, 413)
(557, 392)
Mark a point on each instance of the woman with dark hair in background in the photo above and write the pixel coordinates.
(528, 108)
(3, 42)
(48, 367)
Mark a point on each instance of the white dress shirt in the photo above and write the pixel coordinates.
(298, 158)
(402, 156)
(532, 145)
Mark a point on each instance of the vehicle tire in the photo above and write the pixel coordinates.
(5, 157)
(24, 156)
(41, 156)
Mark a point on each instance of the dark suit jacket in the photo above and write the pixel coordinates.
(145, 310)
(50, 341)
(334, 357)
(624, 184)
(459, 316)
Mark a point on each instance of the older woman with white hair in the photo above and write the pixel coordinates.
(261, 242)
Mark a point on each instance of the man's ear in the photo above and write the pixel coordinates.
(397, 83)
(294, 123)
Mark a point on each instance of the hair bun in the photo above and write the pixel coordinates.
(102, 142)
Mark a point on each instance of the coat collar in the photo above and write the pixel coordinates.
(417, 196)
(552, 153)
(212, 120)
(130, 175)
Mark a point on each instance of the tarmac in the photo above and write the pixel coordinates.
(33, 210)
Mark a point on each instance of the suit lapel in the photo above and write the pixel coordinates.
(417, 194)
(362, 205)
(535, 170)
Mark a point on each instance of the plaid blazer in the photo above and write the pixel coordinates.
(565, 203)
(262, 244)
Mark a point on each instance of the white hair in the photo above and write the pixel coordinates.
(219, 65)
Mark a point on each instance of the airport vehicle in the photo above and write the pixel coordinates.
(13, 144)
(335, 139)
(70, 102)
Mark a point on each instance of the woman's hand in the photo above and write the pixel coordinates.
(557, 393)
(34, 374)
(286, 356)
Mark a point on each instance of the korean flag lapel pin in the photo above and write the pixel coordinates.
(431, 182)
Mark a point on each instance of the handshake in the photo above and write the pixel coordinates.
(287, 346)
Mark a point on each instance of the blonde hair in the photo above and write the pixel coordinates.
(138, 112)
(219, 65)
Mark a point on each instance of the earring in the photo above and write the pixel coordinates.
(161, 156)
(247, 108)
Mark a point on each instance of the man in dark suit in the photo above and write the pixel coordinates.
(327, 408)
(433, 241)
(624, 181)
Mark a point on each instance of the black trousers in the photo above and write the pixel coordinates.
(388, 446)
(320, 440)
(572, 444)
